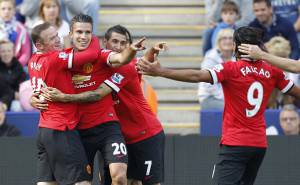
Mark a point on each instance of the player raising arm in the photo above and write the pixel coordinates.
(253, 51)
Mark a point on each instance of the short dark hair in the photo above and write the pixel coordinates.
(36, 32)
(268, 2)
(118, 29)
(230, 6)
(83, 18)
(248, 35)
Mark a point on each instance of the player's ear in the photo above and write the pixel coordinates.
(105, 41)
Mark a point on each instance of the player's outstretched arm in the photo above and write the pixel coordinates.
(294, 91)
(119, 59)
(253, 51)
(152, 53)
(55, 95)
(187, 75)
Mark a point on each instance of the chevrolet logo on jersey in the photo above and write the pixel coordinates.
(79, 79)
(87, 68)
(117, 78)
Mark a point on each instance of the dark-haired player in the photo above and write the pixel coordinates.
(247, 86)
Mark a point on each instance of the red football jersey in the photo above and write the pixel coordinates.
(247, 86)
(51, 69)
(88, 78)
(137, 120)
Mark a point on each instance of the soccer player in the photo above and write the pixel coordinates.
(247, 86)
(253, 51)
(142, 130)
(61, 155)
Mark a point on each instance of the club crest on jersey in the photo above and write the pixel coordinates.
(117, 78)
(63, 55)
(87, 68)
(218, 67)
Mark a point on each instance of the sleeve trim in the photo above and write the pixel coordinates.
(70, 60)
(112, 85)
(287, 87)
(213, 75)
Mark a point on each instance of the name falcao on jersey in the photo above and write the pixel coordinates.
(250, 69)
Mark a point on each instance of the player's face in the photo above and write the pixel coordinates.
(262, 12)
(117, 42)
(7, 53)
(289, 122)
(50, 40)
(229, 17)
(51, 11)
(81, 35)
(7, 10)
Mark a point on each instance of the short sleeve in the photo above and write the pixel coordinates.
(105, 55)
(221, 72)
(283, 83)
(120, 77)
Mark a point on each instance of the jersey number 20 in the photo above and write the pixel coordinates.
(254, 101)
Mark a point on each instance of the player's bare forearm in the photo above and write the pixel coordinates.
(127, 54)
(255, 52)
(122, 58)
(186, 75)
(52, 94)
(283, 63)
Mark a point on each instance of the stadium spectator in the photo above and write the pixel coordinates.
(5, 128)
(213, 14)
(213, 11)
(69, 8)
(11, 71)
(290, 10)
(229, 15)
(211, 96)
(290, 120)
(247, 86)
(274, 25)
(281, 47)
(11, 29)
(49, 11)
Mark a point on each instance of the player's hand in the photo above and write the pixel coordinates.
(38, 102)
(148, 68)
(251, 51)
(52, 94)
(139, 45)
(160, 46)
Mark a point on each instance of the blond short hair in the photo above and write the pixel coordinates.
(228, 32)
(279, 46)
